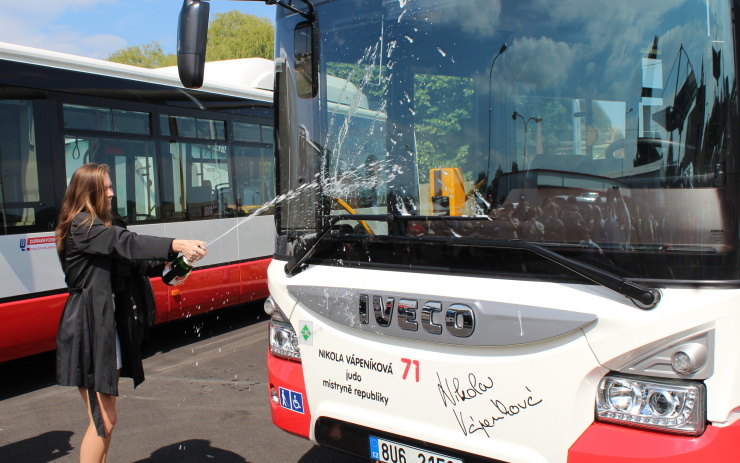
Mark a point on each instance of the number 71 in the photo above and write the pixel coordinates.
(408, 363)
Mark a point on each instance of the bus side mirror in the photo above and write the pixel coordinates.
(192, 37)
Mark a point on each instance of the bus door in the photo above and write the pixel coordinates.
(300, 172)
(196, 174)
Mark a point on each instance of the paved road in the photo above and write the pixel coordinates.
(204, 400)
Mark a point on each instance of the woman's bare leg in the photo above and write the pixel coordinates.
(94, 449)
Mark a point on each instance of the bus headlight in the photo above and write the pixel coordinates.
(662, 405)
(283, 339)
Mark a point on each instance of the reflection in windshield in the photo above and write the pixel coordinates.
(586, 122)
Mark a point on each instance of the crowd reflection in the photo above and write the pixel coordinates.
(606, 219)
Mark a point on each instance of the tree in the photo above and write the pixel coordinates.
(443, 107)
(231, 35)
(234, 35)
(146, 56)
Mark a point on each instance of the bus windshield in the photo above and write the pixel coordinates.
(595, 128)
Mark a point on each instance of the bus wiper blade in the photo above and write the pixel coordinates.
(297, 261)
(644, 298)
(441, 217)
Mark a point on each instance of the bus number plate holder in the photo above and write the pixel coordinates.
(386, 451)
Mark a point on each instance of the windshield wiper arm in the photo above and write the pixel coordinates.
(643, 297)
(297, 261)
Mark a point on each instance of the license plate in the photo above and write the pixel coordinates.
(386, 451)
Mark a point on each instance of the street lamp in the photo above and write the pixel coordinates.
(537, 120)
(501, 51)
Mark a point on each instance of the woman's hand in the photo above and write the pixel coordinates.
(192, 249)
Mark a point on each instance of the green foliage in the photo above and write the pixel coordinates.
(149, 55)
(444, 107)
(234, 35)
(231, 35)
(364, 76)
(557, 128)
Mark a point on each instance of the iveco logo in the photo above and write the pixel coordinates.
(457, 319)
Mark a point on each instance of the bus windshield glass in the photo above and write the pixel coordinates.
(598, 129)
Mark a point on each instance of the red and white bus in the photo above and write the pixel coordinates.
(571, 293)
(183, 163)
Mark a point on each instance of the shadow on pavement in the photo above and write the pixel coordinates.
(27, 374)
(327, 455)
(36, 372)
(192, 451)
(40, 449)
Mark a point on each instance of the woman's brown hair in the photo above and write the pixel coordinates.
(86, 193)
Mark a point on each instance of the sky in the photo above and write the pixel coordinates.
(97, 28)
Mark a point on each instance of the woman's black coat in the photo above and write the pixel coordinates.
(96, 258)
(135, 310)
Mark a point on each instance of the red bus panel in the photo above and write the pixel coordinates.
(29, 326)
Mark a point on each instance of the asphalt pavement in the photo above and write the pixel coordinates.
(205, 399)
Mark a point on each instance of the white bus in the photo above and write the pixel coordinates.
(183, 163)
(551, 264)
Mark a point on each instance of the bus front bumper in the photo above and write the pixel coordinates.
(607, 443)
(288, 402)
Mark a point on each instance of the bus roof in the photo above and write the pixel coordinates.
(242, 78)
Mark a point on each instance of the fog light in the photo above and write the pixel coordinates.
(681, 362)
(269, 306)
(689, 358)
(274, 395)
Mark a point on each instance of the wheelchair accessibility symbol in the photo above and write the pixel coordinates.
(291, 400)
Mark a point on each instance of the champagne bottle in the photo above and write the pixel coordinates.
(177, 271)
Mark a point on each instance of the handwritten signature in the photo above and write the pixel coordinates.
(483, 424)
(454, 392)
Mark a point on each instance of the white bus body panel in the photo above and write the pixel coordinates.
(560, 375)
(34, 267)
(27, 267)
(527, 403)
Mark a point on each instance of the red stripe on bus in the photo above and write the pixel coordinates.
(29, 326)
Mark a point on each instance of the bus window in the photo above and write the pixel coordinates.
(139, 171)
(132, 172)
(247, 132)
(303, 60)
(191, 127)
(254, 173)
(177, 126)
(19, 178)
(131, 122)
(145, 182)
(106, 119)
(196, 169)
(267, 134)
(211, 130)
(87, 117)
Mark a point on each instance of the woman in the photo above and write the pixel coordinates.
(92, 251)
